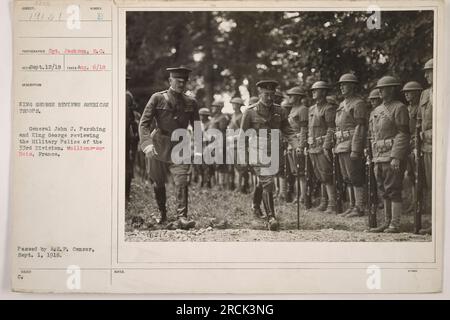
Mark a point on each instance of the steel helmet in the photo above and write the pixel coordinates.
(387, 81)
(320, 85)
(375, 94)
(412, 86)
(348, 77)
(428, 65)
(295, 91)
(204, 112)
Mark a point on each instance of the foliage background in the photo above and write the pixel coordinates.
(230, 51)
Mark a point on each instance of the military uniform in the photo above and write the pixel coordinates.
(204, 170)
(425, 121)
(413, 108)
(350, 137)
(298, 119)
(425, 117)
(219, 121)
(170, 110)
(262, 116)
(390, 138)
(321, 126)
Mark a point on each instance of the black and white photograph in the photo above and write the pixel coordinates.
(280, 126)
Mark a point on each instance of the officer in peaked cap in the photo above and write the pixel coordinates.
(321, 125)
(425, 121)
(350, 137)
(171, 109)
(265, 115)
(390, 137)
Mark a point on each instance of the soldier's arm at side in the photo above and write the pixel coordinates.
(146, 122)
(330, 120)
(401, 144)
(359, 137)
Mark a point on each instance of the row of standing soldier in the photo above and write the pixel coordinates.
(365, 151)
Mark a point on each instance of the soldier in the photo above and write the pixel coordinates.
(172, 109)
(425, 121)
(351, 133)
(321, 125)
(284, 176)
(204, 169)
(412, 91)
(374, 99)
(298, 119)
(242, 169)
(219, 121)
(264, 115)
(131, 139)
(389, 131)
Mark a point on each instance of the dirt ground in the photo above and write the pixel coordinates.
(227, 216)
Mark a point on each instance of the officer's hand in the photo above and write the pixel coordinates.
(395, 164)
(150, 150)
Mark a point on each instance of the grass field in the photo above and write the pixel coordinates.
(227, 216)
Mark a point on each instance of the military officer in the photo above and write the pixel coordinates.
(321, 126)
(242, 169)
(298, 119)
(390, 137)
(219, 121)
(412, 91)
(265, 115)
(425, 121)
(171, 109)
(350, 137)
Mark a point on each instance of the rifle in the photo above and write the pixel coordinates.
(337, 180)
(309, 182)
(372, 197)
(418, 182)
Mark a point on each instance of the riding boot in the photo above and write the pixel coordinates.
(182, 208)
(160, 196)
(257, 198)
(269, 207)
